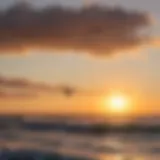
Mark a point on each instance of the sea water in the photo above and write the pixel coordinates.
(112, 146)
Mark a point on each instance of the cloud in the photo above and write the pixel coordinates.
(18, 87)
(15, 95)
(95, 30)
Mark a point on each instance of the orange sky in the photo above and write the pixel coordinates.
(93, 50)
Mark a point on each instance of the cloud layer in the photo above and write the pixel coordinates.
(18, 87)
(96, 30)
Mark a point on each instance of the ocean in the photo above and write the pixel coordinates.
(110, 146)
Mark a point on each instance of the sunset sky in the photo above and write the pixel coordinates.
(98, 52)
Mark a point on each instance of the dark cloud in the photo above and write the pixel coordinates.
(18, 87)
(14, 95)
(97, 30)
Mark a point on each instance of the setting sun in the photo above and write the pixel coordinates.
(117, 103)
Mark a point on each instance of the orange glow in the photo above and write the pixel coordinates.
(117, 103)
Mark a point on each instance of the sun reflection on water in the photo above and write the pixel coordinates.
(121, 157)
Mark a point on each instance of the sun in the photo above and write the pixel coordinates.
(117, 103)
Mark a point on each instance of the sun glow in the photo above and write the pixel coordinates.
(117, 103)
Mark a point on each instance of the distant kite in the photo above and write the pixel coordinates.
(68, 91)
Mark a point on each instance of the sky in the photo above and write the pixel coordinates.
(96, 52)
